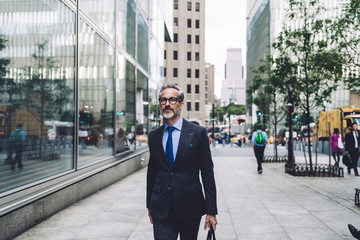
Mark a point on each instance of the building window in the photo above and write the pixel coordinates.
(189, 6)
(164, 54)
(175, 55)
(189, 56)
(197, 106)
(197, 91)
(188, 106)
(164, 72)
(189, 73)
(197, 6)
(176, 22)
(197, 73)
(188, 88)
(188, 38)
(189, 23)
(197, 23)
(197, 56)
(175, 37)
(197, 39)
(176, 4)
(175, 72)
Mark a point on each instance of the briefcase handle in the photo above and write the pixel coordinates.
(211, 234)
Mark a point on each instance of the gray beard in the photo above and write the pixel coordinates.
(171, 115)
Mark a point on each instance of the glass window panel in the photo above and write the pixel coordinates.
(130, 27)
(143, 43)
(37, 60)
(176, 4)
(142, 109)
(122, 143)
(189, 6)
(188, 106)
(130, 103)
(102, 13)
(197, 7)
(197, 106)
(122, 16)
(96, 101)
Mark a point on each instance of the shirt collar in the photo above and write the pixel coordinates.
(177, 125)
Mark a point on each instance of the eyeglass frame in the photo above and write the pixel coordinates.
(169, 99)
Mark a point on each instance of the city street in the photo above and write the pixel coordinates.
(273, 205)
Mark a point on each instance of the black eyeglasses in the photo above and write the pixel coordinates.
(172, 100)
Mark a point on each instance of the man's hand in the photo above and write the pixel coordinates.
(210, 219)
(149, 213)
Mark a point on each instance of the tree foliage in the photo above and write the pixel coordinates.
(346, 29)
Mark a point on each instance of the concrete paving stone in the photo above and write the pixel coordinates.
(273, 205)
(141, 235)
(300, 220)
(123, 216)
(99, 230)
(262, 236)
(297, 233)
(46, 235)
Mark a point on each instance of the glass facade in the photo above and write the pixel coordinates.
(78, 84)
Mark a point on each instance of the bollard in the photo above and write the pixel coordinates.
(223, 142)
(231, 143)
(214, 143)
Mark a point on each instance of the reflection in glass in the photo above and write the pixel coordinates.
(143, 43)
(96, 102)
(142, 109)
(101, 12)
(130, 27)
(36, 91)
(123, 127)
(130, 103)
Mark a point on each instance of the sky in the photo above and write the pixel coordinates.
(225, 27)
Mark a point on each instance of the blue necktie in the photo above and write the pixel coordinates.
(169, 146)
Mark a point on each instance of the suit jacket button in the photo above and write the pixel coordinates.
(169, 189)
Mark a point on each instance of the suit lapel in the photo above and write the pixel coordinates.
(186, 136)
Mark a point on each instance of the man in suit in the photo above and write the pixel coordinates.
(352, 141)
(179, 150)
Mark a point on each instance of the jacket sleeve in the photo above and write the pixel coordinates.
(207, 174)
(347, 141)
(150, 178)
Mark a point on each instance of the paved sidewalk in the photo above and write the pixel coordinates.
(273, 205)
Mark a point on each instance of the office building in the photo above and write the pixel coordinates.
(265, 21)
(185, 57)
(234, 84)
(79, 80)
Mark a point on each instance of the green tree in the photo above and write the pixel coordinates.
(267, 92)
(312, 66)
(219, 111)
(346, 29)
(7, 85)
(43, 85)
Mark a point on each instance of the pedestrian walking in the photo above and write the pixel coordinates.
(259, 140)
(336, 146)
(17, 138)
(352, 140)
(179, 150)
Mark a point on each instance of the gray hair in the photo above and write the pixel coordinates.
(174, 86)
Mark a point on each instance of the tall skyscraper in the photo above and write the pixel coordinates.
(185, 57)
(234, 85)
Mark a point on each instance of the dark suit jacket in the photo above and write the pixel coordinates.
(179, 186)
(350, 141)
